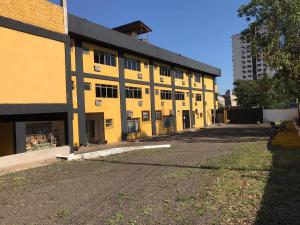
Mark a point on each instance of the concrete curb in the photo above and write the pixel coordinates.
(107, 152)
(18, 160)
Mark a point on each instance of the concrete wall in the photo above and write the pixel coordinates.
(277, 115)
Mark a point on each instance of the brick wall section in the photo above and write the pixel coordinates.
(40, 13)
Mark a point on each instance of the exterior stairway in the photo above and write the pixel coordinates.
(288, 138)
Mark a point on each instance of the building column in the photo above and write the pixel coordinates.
(204, 101)
(80, 93)
(20, 137)
(192, 117)
(174, 99)
(215, 99)
(69, 119)
(152, 98)
(122, 95)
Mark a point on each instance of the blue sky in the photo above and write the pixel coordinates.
(200, 29)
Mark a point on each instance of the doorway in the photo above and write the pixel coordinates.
(186, 119)
(95, 131)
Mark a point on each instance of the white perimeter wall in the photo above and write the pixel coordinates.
(277, 115)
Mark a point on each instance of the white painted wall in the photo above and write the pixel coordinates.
(277, 115)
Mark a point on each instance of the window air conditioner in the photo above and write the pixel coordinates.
(129, 114)
(97, 68)
(140, 76)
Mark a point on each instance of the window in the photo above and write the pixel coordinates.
(108, 123)
(133, 92)
(164, 71)
(85, 51)
(178, 74)
(198, 97)
(145, 116)
(133, 126)
(146, 91)
(146, 65)
(158, 115)
(156, 91)
(87, 86)
(106, 91)
(164, 94)
(179, 95)
(197, 78)
(104, 58)
(132, 64)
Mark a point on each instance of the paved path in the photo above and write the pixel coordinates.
(144, 187)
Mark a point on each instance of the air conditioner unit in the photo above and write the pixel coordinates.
(140, 103)
(195, 85)
(98, 103)
(129, 114)
(183, 103)
(140, 76)
(97, 68)
(183, 82)
(161, 79)
(196, 104)
(162, 104)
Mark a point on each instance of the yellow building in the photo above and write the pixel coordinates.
(92, 85)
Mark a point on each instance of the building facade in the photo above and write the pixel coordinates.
(245, 65)
(92, 85)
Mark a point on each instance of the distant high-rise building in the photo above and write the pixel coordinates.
(245, 65)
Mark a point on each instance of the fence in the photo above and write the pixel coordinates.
(279, 115)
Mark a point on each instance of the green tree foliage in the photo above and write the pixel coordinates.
(280, 45)
(266, 92)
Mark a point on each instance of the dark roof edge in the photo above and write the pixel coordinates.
(90, 30)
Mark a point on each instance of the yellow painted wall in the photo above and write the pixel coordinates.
(196, 84)
(182, 82)
(32, 69)
(6, 139)
(132, 74)
(167, 80)
(133, 105)
(88, 61)
(72, 52)
(180, 107)
(199, 118)
(209, 82)
(110, 107)
(166, 109)
(40, 13)
(74, 92)
(75, 129)
(209, 107)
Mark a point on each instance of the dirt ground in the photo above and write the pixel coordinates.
(162, 186)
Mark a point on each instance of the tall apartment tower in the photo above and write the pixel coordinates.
(245, 65)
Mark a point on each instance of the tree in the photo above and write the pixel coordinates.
(266, 92)
(280, 44)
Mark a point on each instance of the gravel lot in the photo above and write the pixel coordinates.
(160, 186)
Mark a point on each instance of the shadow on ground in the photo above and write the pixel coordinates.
(281, 199)
(235, 134)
